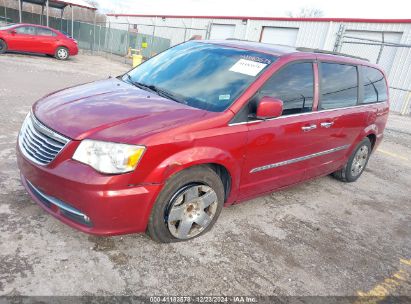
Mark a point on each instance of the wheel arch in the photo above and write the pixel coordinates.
(62, 46)
(221, 162)
(224, 175)
(371, 132)
(373, 138)
(5, 42)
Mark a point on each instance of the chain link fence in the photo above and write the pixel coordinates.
(150, 39)
(379, 48)
(111, 39)
(114, 39)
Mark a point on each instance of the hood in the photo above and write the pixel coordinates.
(88, 109)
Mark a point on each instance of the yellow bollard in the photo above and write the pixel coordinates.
(137, 59)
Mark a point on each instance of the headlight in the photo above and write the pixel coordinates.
(107, 157)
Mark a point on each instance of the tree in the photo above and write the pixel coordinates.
(306, 12)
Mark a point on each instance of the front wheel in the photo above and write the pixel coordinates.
(188, 206)
(3, 46)
(62, 53)
(356, 164)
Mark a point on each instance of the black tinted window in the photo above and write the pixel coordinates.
(339, 85)
(27, 30)
(294, 85)
(45, 32)
(375, 88)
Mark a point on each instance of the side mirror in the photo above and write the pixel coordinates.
(269, 107)
(13, 32)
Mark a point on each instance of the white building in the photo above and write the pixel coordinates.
(387, 41)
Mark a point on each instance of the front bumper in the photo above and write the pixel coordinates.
(73, 51)
(84, 199)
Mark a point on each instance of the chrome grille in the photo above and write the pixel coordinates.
(39, 143)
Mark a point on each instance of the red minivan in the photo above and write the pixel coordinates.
(38, 39)
(203, 125)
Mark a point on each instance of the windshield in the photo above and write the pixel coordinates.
(201, 75)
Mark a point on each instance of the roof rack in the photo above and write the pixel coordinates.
(304, 49)
(239, 39)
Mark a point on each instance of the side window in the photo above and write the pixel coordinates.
(45, 32)
(294, 85)
(26, 30)
(375, 88)
(338, 85)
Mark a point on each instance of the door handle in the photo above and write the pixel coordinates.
(309, 128)
(327, 124)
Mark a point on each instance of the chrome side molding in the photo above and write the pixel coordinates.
(298, 159)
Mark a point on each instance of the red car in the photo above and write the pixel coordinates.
(203, 125)
(39, 39)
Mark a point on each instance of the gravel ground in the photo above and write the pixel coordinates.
(321, 237)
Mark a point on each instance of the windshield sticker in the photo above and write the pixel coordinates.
(255, 58)
(224, 97)
(247, 67)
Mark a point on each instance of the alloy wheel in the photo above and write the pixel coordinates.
(62, 53)
(359, 161)
(192, 211)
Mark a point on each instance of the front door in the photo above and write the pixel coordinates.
(23, 39)
(278, 149)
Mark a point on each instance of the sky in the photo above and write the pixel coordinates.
(393, 9)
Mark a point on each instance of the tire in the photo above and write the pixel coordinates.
(62, 53)
(187, 207)
(3, 46)
(356, 164)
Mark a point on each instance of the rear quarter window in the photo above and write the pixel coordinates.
(338, 85)
(375, 87)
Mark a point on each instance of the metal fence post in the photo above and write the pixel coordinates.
(152, 38)
(79, 31)
(94, 32)
(72, 21)
(185, 30)
(339, 39)
(47, 12)
(127, 41)
(152, 42)
(208, 30)
(110, 39)
(20, 10)
(381, 48)
(5, 10)
(99, 39)
(106, 40)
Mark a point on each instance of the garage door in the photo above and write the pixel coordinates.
(279, 35)
(222, 31)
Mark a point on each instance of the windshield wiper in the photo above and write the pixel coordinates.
(165, 93)
(155, 89)
(138, 84)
